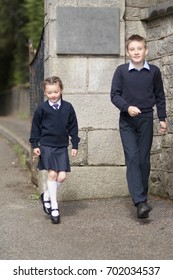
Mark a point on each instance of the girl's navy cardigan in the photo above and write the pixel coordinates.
(52, 127)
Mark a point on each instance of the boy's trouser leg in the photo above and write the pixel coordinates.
(145, 143)
(136, 135)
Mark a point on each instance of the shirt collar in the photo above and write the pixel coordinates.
(58, 102)
(146, 66)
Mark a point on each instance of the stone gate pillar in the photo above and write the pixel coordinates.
(84, 43)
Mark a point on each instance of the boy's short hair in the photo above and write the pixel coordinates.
(53, 80)
(136, 37)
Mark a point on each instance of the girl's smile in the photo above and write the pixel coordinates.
(53, 92)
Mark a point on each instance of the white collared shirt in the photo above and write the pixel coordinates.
(146, 65)
(51, 103)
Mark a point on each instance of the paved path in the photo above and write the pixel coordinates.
(95, 229)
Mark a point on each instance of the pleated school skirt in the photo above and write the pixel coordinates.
(52, 158)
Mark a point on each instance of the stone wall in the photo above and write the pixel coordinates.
(15, 101)
(98, 171)
(154, 20)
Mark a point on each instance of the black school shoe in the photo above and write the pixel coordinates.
(143, 209)
(46, 210)
(55, 219)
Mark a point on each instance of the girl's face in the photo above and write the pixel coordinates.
(137, 52)
(53, 92)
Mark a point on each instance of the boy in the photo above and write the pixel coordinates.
(136, 87)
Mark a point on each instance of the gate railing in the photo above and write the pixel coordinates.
(36, 74)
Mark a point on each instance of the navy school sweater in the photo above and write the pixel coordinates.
(142, 89)
(52, 127)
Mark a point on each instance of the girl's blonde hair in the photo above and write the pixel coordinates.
(52, 80)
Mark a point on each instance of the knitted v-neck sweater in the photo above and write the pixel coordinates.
(52, 127)
(142, 89)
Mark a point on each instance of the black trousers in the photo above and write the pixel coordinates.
(136, 136)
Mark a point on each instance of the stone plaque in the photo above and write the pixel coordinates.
(83, 30)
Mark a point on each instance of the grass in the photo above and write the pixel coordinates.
(23, 164)
(23, 116)
(22, 158)
(35, 196)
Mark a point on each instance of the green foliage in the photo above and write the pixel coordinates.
(20, 20)
(34, 10)
(19, 152)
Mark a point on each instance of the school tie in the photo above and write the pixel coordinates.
(55, 106)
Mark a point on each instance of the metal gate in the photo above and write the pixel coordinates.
(36, 74)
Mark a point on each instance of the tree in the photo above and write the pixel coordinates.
(20, 20)
(34, 10)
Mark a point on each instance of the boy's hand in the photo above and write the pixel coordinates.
(163, 127)
(36, 151)
(74, 152)
(133, 111)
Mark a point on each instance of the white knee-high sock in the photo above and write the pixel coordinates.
(52, 188)
(46, 195)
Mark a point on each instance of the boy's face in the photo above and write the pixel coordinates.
(53, 92)
(137, 52)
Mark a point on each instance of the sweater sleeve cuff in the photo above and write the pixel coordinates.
(35, 145)
(125, 108)
(75, 143)
(162, 119)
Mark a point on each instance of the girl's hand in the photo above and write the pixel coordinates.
(36, 151)
(163, 127)
(74, 152)
(133, 111)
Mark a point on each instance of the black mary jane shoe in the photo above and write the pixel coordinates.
(46, 210)
(55, 219)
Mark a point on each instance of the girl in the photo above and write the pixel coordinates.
(53, 122)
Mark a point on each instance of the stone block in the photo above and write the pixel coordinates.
(153, 49)
(94, 111)
(136, 27)
(42, 181)
(101, 71)
(166, 26)
(154, 33)
(88, 30)
(170, 121)
(167, 70)
(141, 4)
(161, 184)
(51, 39)
(157, 144)
(71, 70)
(169, 94)
(132, 13)
(122, 41)
(105, 148)
(82, 156)
(94, 182)
(167, 159)
(168, 60)
(162, 47)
